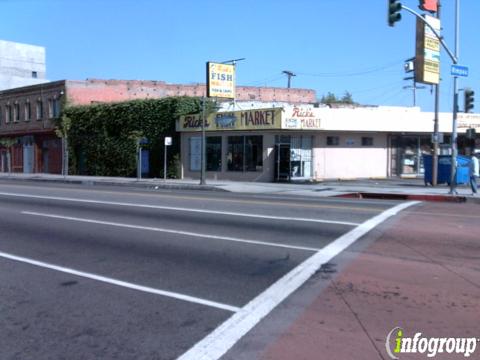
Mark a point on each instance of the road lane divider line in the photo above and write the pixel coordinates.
(121, 283)
(255, 199)
(170, 231)
(218, 342)
(173, 208)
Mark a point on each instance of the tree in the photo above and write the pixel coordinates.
(331, 98)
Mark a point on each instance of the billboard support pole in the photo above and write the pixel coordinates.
(435, 122)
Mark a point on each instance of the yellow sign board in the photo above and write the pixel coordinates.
(427, 54)
(220, 80)
(259, 119)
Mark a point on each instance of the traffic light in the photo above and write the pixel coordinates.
(394, 15)
(469, 100)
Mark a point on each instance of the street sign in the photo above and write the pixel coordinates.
(459, 70)
(168, 141)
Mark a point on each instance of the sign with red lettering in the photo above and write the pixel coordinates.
(302, 118)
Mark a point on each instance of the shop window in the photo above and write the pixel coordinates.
(333, 140)
(214, 153)
(16, 112)
(245, 153)
(235, 153)
(253, 153)
(367, 141)
(28, 111)
(39, 109)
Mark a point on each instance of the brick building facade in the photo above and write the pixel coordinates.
(28, 142)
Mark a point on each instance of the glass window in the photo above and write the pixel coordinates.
(8, 113)
(28, 111)
(235, 153)
(333, 140)
(214, 153)
(16, 112)
(253, 153)
(39, 109)
(195, 153)
(367, 141)
(245, 153)
(56, 108)
(34, 74)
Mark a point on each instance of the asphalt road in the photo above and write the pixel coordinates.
(121, 273)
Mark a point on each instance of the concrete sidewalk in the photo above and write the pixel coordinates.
(375, 188)
(423, 277)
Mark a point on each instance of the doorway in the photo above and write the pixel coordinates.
(282, 162)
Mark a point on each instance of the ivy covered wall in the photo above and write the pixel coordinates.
(102, 138)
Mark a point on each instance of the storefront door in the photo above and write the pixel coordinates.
(282, 162)
(409, 151)
(293, 158)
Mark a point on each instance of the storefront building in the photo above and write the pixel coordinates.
(28, 115)
(307, 143)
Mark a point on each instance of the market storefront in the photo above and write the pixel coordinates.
(303, 143)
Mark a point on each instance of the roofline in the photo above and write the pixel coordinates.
(35, 87)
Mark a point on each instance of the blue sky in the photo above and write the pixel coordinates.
(331, 45)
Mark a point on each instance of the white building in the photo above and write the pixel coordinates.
(21, 65)
(293, 142)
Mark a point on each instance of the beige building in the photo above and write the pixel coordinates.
(278, 142)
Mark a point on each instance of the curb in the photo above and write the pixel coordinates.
(418, 197)
(135, 184)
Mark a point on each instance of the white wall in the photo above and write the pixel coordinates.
(349, 161)
(18, 61)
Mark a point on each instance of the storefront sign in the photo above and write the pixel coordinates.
(220, 80)
(259, 119)
(301, 118)
(468, 121)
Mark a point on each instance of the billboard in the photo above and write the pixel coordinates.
(220, 80)
(427, 54)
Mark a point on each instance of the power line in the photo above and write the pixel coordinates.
(354, 73)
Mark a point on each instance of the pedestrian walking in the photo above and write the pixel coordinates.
(473, 173)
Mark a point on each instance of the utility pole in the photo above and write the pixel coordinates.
(289, 75)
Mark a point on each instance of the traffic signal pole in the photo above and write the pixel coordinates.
(454, 57)
(453, 172)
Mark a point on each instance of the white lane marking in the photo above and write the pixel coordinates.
(121, 283)
(257, 216)
(170, 231)
(217, 343)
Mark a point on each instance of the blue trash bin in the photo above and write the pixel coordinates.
(444, 166)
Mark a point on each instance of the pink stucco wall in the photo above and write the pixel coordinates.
(93, 90)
